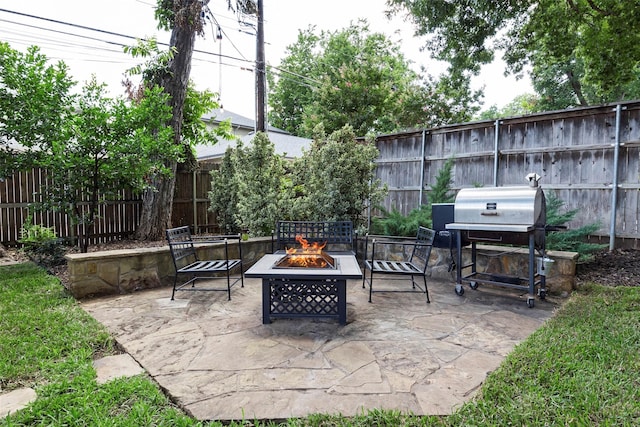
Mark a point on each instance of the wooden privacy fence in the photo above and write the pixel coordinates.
(118, 219)
(589, 157)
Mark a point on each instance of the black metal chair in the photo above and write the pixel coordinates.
(399, 256)
(185, 260)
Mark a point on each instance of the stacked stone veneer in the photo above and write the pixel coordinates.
(124, 271)
(129, 270)
(512, 261)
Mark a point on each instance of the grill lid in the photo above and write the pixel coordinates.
(517, 209)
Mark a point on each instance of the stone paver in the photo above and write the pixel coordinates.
(219, 362)
(15, 400)
(111, 367)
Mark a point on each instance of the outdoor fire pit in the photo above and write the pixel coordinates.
(307, 256)
(305, 283)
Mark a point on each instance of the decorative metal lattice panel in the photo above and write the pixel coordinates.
(304, 297)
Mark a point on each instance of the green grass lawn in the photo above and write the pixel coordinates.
(581, 368)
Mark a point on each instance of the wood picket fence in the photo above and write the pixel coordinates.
(589, 157)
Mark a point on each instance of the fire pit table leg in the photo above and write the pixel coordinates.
(342, 301)
(266, 301)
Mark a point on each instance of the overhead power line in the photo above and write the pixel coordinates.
(111, 33)
(60, 44)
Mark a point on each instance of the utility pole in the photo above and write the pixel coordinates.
(260, 72)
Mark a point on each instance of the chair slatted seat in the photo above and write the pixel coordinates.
(384, 260)
(186, 261)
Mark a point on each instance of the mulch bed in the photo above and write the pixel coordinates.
(620, 267)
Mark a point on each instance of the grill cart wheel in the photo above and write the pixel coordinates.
(459, 290)
(542, 294)
(530, 302)
(473, 285)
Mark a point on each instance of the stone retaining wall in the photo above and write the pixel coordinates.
(128, 270)
(124, 271)
(560, 275)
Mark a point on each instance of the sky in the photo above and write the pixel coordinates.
(119, 22)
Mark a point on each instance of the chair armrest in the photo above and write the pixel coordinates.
(398, 243)
(215, 239)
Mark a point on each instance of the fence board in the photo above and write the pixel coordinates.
(573, 151)
(117, 219)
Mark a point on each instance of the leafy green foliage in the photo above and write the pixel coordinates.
(35, 102)
(258, 174)
(580, 52)
(194, 131)
(573, 240)
(441, 190)
(224, 193)
(336, 178)
(519, 106)
(111, 144)
(333, 181)
(360, 78)
(394, 223)
(90, 145)
(41, 244)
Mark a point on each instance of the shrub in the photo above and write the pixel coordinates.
(334, 180)
(41, 244)
(395, 224)
(573, 240)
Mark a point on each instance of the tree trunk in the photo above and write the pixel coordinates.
(157, 202)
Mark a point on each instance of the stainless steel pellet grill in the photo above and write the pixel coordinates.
(505, 216)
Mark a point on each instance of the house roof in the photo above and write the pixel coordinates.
(285, 144)
(237, 121)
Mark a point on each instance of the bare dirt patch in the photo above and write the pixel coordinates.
(620, 267)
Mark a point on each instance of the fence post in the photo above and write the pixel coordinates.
(195, 202)
(496, 153)
(422, 162)
(614, 184)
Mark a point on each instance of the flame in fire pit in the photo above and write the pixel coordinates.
(309, 255)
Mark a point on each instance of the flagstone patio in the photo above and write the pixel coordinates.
(218, 361)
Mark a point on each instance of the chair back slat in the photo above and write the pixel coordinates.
(422, 251)
(330, 232)
(181, 245)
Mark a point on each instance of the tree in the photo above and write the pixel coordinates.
(521, 105)
(89, 145)
(224, 193)
(259, 173)
(35, 101)
(333, 181)
(185, 19)
(358, 78)
(108, 144)
(336, 178)
(589, 49)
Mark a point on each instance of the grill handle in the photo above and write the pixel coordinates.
(489, 213)
(484, 237)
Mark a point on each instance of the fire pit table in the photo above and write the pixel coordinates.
(303, 292)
